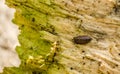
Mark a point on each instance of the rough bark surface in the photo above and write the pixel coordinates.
(98, 19)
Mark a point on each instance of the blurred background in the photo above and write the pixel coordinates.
(8, 37)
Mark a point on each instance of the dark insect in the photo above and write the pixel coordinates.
(82, 39)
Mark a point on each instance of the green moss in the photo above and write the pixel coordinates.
(37, 21)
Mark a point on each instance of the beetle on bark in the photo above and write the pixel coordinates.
(84, 39)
